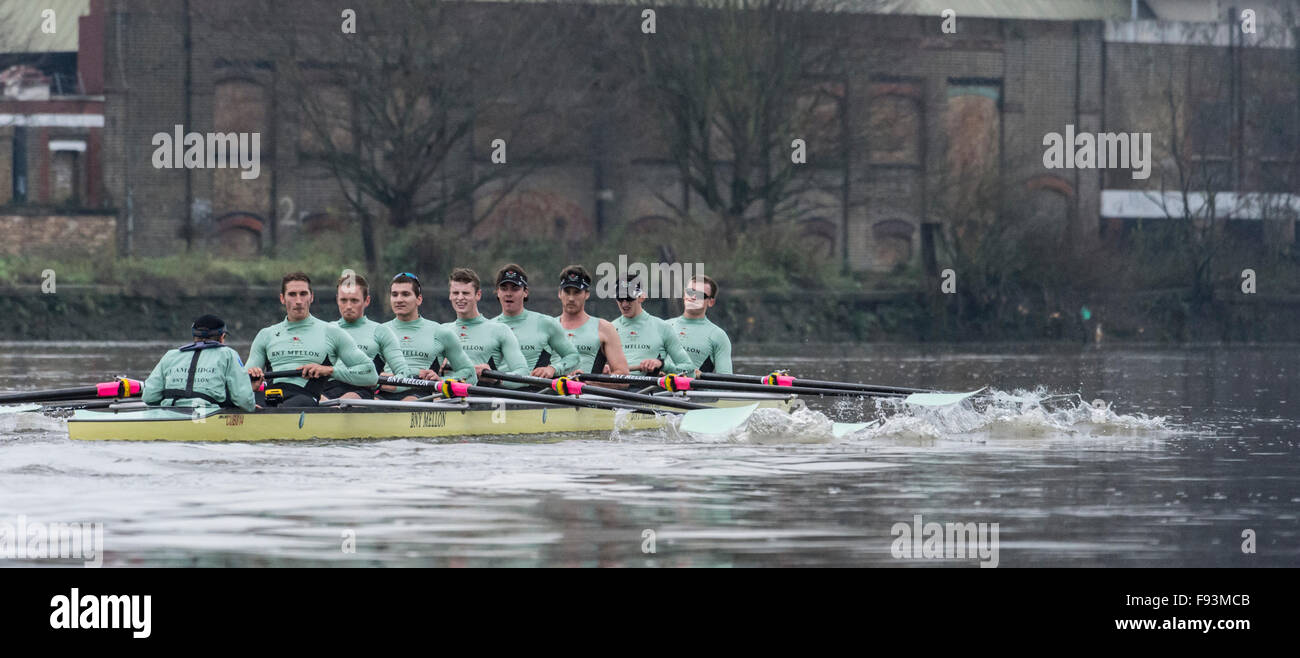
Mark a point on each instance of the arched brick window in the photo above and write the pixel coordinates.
(239, 234)
(893, 242)
(817, 236)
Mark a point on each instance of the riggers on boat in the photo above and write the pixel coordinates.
(380, 419)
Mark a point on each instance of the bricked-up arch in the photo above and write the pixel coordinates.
(322, 222)
(893, 243)
(895, 126)
(1051, 199)
(240, 105)
(239, 234)
(1051, 182)
(817, 235)
(654, 225)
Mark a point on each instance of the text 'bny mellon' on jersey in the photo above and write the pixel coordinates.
(648, 337)
(288, 345)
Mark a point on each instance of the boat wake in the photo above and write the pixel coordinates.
(994, 415)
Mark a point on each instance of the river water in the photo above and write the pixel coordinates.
(1191, 457)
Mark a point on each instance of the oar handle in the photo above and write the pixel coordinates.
(122, 387)
(570, 386)
(282, 374)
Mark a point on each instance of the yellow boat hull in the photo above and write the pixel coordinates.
(365, 423)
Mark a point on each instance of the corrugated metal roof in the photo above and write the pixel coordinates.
(1056, 10)
(1059, 10)
(20, 25)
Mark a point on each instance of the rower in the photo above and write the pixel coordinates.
(599, 349)
(303, 342)
(375, 340)
(425, 343)
(488, 344)
(205, 372)
(540, 337)
(651, 346)
(705, 342)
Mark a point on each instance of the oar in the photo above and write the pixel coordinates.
(69, 405)
(282, 374)
(782, 379)
(119, 388)
(454, 389)
(22, 408)
(708, 420)
(684, 383)
(567, 386)
(278, 374)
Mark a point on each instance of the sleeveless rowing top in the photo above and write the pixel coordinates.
(585, 339)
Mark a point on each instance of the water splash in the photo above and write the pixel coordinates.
(996, 414)
(16, 426)
(1018, 414)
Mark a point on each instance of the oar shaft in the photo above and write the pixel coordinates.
(55, 394)
(120, 388)
(816, 383)
(606, 392)
(696, 384)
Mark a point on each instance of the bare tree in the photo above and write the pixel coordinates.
(990, 237)
(406, 112)
(1225, 149)
(733, 83)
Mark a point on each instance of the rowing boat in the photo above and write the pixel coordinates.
(382, 419)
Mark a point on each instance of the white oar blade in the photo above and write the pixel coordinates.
(20, 409)
(938, 399)
(844, 429)
(716, 421)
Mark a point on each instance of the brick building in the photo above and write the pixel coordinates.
(51, 127)
(917, 100)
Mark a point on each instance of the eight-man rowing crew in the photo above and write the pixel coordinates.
(345, 358)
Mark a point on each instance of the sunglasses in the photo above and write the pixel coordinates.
(693, 293)
(407, 274)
